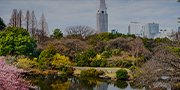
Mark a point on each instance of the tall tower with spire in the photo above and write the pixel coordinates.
(102, 17)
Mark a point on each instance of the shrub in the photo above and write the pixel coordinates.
(16, 41)
(96, 63)
(127, 63)
(103, 62)
(63, 73)
(178, 86)
(83, 72)
(69, 71)
(84, 58)
(96, 74)
(107, 54)
(121, 74)
(101, 72)
(90, 71)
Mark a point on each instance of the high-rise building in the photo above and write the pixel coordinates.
(135, 28)
(102, 17)
(114, 31)
(151, 29)
(164, 33)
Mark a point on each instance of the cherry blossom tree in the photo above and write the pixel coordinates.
(11, 79)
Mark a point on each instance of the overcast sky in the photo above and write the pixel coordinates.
(63, 13)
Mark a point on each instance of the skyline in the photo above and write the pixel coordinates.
(63, 13)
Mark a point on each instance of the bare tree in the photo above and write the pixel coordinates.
(79, 29)
(164, 63)
(19, 18)
(13, 20)
(33, 24)
(27, 20)
(43, 28)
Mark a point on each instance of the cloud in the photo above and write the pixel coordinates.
(64, 13)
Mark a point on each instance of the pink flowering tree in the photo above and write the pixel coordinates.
(11, 79)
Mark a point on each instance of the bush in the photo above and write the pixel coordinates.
(101, 72)
(84, 58)
(121, 74)
(96, 74)
(127, 63)
(16, 41)
(96, 63)
(83, 73)
(69, 71)
(178, 86)
(103, 62)
(90, 71)
(107, 54)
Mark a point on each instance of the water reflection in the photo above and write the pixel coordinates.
(77, 83)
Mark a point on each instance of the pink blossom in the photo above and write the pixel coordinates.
(11, 79)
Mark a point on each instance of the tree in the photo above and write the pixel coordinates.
(19, 18)
(57, 34)
(81, 30)
(33, 24)
(16, 41)
(165, 62)
(27, 20)
(11, 79)
(13, 21)
(43, 28)
(2, 24)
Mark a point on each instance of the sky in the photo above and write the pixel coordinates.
(64, 13)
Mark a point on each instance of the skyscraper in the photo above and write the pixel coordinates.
(135, 28)
(102, 17)
(151, 29)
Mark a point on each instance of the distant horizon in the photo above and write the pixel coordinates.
(62, 14)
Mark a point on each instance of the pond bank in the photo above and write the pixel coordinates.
(110, 73)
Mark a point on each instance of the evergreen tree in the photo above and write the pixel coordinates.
(2, 24)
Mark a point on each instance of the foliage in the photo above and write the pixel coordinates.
(57, 34)
(178, 86)
(69, 71)
(83, 73)
(121, 74)
(59, 60)
(74, 36)
(107, 54)
(103, 62)
(96, 63)
(10, 78)
(121, 84)
(46, 57)
(50, 59)
(104, 36)
(2, 24)
(90, 71)
(61, 86)
(84, 58)
(27, 64)
(175, 49)
(16, 41)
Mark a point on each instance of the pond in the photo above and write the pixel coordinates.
(79, 83)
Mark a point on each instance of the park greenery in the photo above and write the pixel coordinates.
(140, 55)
